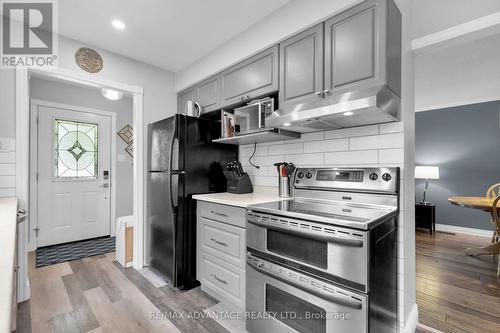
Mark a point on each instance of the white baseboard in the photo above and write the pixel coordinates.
(463, 230)
(428, 328)
(411, 323)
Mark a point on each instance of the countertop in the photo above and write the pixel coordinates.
(8, 225)
(261, 194)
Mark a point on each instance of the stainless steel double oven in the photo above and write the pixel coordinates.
(325, 261)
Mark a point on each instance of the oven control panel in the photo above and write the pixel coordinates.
(349, 179)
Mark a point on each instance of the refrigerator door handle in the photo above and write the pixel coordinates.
(174, 190)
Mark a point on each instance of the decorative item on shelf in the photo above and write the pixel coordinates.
(228, 124)
(127, 134)
(130, 149)
(88, 60)
(426, 172)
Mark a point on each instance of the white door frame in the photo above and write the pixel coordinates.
(35, 103)
(23, 154)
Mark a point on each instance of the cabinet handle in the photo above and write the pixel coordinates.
(219, 214)
(326, 91)
(218, 242)
(318, 93)
(218, 279)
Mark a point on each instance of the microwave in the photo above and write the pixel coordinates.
(252, 117)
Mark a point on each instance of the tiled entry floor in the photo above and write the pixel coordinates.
(96, 294)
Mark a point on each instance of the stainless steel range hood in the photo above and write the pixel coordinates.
(372, 105)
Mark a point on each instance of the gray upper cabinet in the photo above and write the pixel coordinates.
(182, 98)
(301, 67)
(207, 94)
(253, 77)
(359, 43)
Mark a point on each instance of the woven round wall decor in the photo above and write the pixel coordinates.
(88, 60)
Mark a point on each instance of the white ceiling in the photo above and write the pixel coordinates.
(170, 34)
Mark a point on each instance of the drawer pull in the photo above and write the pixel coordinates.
(219, 214)
(218, 242)
(218, 279)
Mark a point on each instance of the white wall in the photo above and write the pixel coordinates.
(65, 93)
(458, 75)
(430, 16)
(288, 20)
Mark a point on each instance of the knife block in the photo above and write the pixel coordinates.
(238, 184)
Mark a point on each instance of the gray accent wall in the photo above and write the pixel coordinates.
(465, 143)
(63, 93)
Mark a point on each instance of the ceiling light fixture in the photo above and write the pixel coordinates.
(118, 25)
(348, 113)
(111, 94)
(286, 124)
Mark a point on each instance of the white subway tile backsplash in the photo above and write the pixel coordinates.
(287, 148)
(265, 181)
(7, 181)
(351, 157)
(7, 192)
(395, 140)
(326, 145)
(352, 132)
(391, 155)
(247, 151)
(7, 169)
(8, 157)
(315, 159)
(394, 127)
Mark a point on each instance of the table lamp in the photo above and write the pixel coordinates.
(426, 172)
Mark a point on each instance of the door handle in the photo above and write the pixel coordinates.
(342, 300)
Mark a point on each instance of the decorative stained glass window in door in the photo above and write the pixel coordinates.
(76, 150)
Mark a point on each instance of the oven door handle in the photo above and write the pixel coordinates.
(312, 235)
(338, 300)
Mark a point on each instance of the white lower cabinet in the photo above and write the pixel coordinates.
(221, 254)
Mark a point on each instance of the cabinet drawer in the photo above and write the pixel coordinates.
(224, 241)
(226, 281)
(223, 213)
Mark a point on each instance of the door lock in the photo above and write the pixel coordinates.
(105, 185)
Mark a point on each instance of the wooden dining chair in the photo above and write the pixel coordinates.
(496, 219)
(493, 192)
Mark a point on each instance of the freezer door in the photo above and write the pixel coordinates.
(161, 144)
(162, 219)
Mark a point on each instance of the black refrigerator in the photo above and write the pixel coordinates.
(182, 161)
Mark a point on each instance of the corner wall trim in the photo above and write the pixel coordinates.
(412, 321)
(463, 230)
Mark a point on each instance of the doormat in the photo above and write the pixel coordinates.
(55, 254)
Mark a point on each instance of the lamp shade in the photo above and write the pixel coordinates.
(427, 172)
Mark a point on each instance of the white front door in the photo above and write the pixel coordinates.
(74, 153)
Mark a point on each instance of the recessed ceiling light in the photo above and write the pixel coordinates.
(117, 24)
(348, 113)
(287, 124)
(111, 94)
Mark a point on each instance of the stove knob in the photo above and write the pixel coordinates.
(300, 175)
(386, 177)
(309, 175)
(373, 176)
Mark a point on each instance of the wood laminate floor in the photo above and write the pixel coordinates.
(96, 294)
(456, 292)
